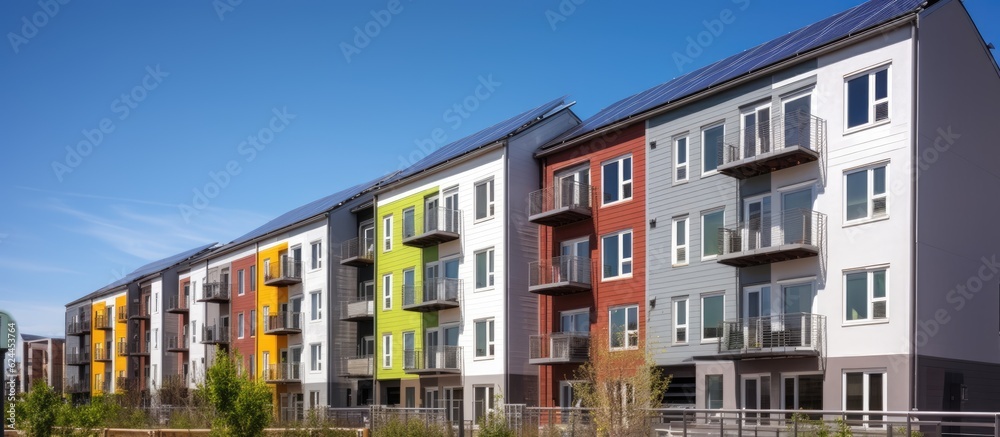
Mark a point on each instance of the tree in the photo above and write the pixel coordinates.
(619, 386)
(242, 406)
(39, 407)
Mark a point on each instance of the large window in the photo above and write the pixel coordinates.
(711, 148)
(387, 292)
(624, 327)
(253, 279)
(387, 351)
(483, 401)
(866, 193)
(484, 339)
(253, 323)
(315, 357)
(680, 159)
(484, 269)
(680, 321)
(678, 253)
(240, 282)
(316, 259)
(867, 98)
(711, 223)
(617, 254)
(712, 311)
(387, 233)
(316, 305)
(239, 325)
(802, 392)
(865, 295)
(713, 391)
(865, 391)
(409, 220)
(409, 350)
(485, 205)
(617, 177)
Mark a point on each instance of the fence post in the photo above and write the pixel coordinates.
(684, 420)
(909, 425)
(461, 421)
(996, 425)
(795, 425)
(739, 424)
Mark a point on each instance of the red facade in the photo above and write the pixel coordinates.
(245, 303)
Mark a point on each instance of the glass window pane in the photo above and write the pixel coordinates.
(713, 400)
(857, 101)
(712, 149)
(878, 278)
(627, 169)
(712, 315)
(481, 270)
(857, 296)
(582, 322)
(875, 394)
(480, 339)
(627, 245)
(878, 180)
(633, 318)
(881, 84)
(481, 201)
(682, 150)
(857, 195)
(610, 182)
(854, 392)
(611, 259)
(682, 312)
(618, 327)
(710, 234)
(681, 237)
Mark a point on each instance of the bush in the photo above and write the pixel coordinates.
(397, 427)
(242, 406)
(39, 410)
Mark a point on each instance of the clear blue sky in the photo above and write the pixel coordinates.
(196, 86)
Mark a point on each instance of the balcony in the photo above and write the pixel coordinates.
(122, 315)
(138, 349)
(440, 226)
(559, 348)
(779, 335)
(79, 327)
(122, 349)
(559, 276)
(214, 335)
(75, 387)
(78, 359)
(772, 145)
(217, 292)
(104, 387)
(357, 252)
(283, 323)
(286, 271)
(357, 367)
(359, 310)
(177, 344)
(177, 305)
(102, 355)
(771, 238)
(103, 322)
(433, 360)
(176, 380)
(283, 373)
(438, 294)
(122, 383)
(136, 311)
(564, 203)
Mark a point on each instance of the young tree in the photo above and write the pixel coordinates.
(619, 386)
(242, 406)
(38, 409)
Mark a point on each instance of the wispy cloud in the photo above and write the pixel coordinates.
(35, 318)
(23, 265)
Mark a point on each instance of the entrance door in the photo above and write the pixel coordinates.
(756, 131)
(431, 398)
(450, 213)
(796, 217)
(453, 397)
(574, 265)
(432, 282)
(756, 396)
(450, 355)
(573, 188)
(797, 302)
(797, 121)
(757, 213)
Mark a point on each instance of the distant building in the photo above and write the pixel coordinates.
(41, 360)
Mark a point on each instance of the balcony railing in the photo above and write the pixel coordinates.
(357, 367)
(122, 349)
(73, 386)
(177, 344)
(770, 238)
(137, 311)
(770, 145)
(177, 305)
(176, 380)
(214, 334)
(559, 276)
(440, 225)
(216, 291)
(138, 348)
(563, 203)
(433, 360)
(358, 252)
(286, 271)
(791, 334)
(79, 327)
(105, 386)
(122, 383)
(284, 372)
(78, 359)
(435, 295)
(122, 315)
(283, 323)
(360, 309)
(103, 322)
(559, 347)
(102, 354)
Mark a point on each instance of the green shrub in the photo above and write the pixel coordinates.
(39, 410)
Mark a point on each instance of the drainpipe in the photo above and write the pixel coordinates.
(913, 217)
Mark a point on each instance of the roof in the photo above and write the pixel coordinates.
(485, 137)
(829, 30)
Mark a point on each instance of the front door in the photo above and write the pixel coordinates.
(431, 399)
(796, 216)
(756, 316)
(453, 397)
(756, 396)
(797, 303)
(450, 213)
(431, 281)
(574, 264)
(798, 120)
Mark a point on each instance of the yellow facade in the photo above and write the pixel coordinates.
(120, 335)
(99, 339)
(269, 299)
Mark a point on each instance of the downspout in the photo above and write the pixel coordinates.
(506, 266)
(913, 217)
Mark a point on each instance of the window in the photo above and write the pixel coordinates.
(867, 99)
(253, 278)
(409, 221)
(624, 327)
(240, 282)
(711, 148)
(316, 307)
(387, 351)
(802, 392)
(239, 325)
(866, 194)
(617, 254)
(314, 399)
(680, 240)
(387, 292)
(680, 321)
(712, 310)
(485, 206)
(680, 159)
(865, 295)
(713, 391)
(483, 401)
(194, 331)
(617, 176)
(253, 323)
(156, 339)
(575, 321)
(484, 338)
(387, 233)
(865, 391)
(484, 269)
(316, 357)
(410, 288)
(317, 255)
(156, 303)
(711, 240)
(409, 350)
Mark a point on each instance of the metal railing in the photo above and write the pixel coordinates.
(360, 307)
(122, 348)
(78, 358)
(283, 321)
(448, 289)
(215, 290)
(75, 386)
(178, 342)
(774, 134)
(440, 219)
(360, 248)
(136, 310)
(286, 268)
(778, 332)
(559, 269)
(433, 358)
(214, 334)
(102, 321)
(283, 372)
(175, 303)
(565, 194)
(139, 348)
(78, 327)
(360, 366)
(559, 346)
(794, 226)
(102, 354)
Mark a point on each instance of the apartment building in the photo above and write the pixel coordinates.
(41, 362)
(452, 308)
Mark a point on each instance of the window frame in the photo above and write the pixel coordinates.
(490, 346)
(628, 333)
(704, 337)
(240, 282)
(687, 158)
(870, 298)
(489, 392)
(687, 321)
(386, 351)
(387, 233)
(387, 292)
(240, 324)
(704, 130)
(490, 200)
(622, 260)
(708, 394)
(316, 255)
(621, 182)
(253, 277)
(253, 323)
(316, 306)
(704, 214)
(872, 100)
(687, 241)
(316, 357)
(866, 393)
(490, 269)
(870, 195)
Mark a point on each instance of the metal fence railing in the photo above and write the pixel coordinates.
(215, 291)
(565, 194)
(777, 332)
(559, 269)
(176, 303)
(358, 308)
(78, 327)
(178, 342)
(360, 366)
(283, 372)
(793, 226)
(286, 269)
(214, 334)
(287, 321)
(447, 358)
(559, 347)
(440, 289)
(774, 134)
(358, 248)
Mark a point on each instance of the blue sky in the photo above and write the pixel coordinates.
(278, 104)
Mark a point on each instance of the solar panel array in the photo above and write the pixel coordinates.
(836, 27)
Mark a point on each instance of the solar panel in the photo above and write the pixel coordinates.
(836, 27)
